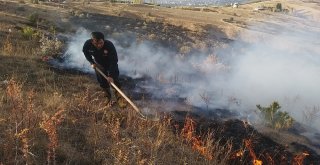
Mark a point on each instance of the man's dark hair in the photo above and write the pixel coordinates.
(97, 35)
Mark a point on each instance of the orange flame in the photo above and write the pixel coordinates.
(187, 133)
(188, 129)
(298, 159)
(237, 154)
(248, 145)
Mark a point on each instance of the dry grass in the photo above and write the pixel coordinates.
(46, 119)
(49, 126)
(7, 46)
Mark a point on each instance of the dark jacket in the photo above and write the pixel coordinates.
(106, 56)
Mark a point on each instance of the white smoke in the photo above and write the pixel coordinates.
(281, 67)
(74, 58)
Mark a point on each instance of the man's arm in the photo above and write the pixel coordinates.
(86, 53)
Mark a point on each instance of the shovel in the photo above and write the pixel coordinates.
(145, 117)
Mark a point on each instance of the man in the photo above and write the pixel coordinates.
(102, 54)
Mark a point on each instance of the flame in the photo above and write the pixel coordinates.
(237, 154)
(257, 162)
(188, 129)
(248, 145)
(187, 133)
(298, 159)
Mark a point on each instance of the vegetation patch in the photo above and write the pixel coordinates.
(276, 118)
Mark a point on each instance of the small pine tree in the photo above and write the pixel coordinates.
(275, 118)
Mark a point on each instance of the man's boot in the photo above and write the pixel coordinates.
(107, 94)
(122, 103)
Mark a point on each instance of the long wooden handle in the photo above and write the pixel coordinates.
(121, 93)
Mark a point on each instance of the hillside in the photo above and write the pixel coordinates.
(53, 111)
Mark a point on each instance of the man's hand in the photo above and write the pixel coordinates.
(94, 66)
(110, 79)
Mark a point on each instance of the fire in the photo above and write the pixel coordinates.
(257, 162)
(187, 133)
(188, 129)
(248, 145)
(237, 154)
(298, 159)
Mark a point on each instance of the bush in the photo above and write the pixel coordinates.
(50, 46)
(275, 118)
(34, 18)
(27, 32)
(279, 7)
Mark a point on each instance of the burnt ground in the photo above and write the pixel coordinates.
(226, 128)
(265, 149)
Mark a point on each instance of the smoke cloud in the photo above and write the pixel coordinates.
(281, 65)
(73, 58)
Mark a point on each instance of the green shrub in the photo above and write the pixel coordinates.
(275, 118)
(282, 120)
(34, 18)
(27, 32)
(279, 7)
